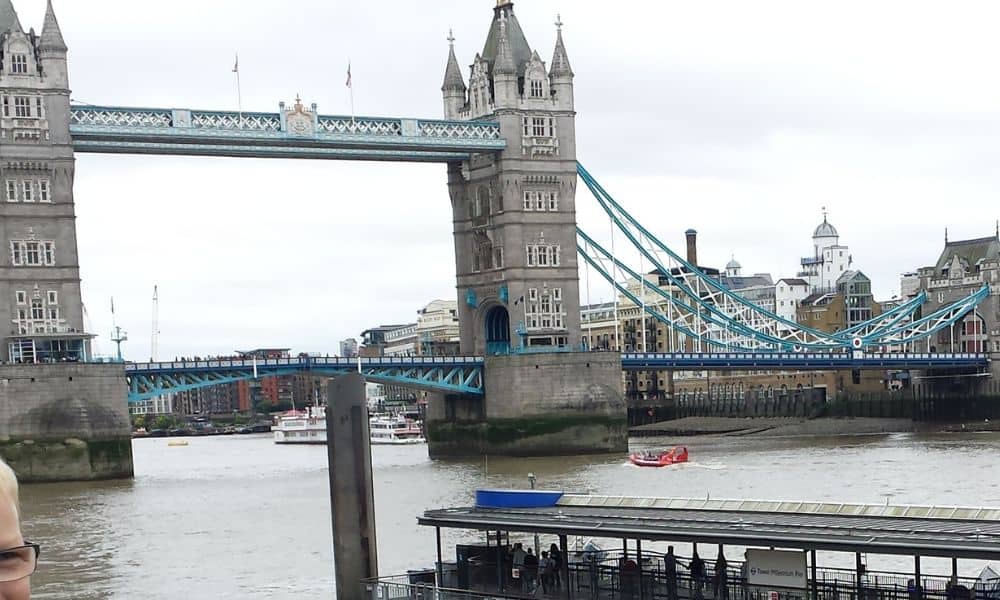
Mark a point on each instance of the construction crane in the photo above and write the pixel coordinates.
(155, 338)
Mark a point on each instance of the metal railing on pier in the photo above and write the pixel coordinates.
(611, 575)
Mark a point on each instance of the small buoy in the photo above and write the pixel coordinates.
(177, 443)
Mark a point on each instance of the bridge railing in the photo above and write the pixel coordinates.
(93, 119)
(308, 362)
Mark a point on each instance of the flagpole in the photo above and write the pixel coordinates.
(239, 89)
(350, 87)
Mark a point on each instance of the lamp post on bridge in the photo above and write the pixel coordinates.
(531, 482)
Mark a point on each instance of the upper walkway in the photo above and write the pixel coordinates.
(296, 133)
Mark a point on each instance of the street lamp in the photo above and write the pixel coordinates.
(531, 482)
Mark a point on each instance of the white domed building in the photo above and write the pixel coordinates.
(829, 261)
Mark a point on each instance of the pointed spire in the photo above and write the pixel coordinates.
(505, 57)
(560, 60)
(8, 17)
(52, 38)
(453, 79)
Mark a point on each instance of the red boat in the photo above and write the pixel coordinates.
(663, 459)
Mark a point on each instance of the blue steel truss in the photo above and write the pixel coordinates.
(464, 375)
(455, 375)
(713, 317)
(285, 134)
(722, 361)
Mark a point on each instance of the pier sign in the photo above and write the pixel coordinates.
(776, 568)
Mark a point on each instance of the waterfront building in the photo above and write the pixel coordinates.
(161, 405)
(963, 267)
(349, 348)
(849, 303)
(600, 330)
(373, 340)
(402, 341)
(788, 295)
(829, 259)
(438, 329)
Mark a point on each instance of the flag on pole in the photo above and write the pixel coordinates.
(236, 66)
(112, 305)
(348, 84)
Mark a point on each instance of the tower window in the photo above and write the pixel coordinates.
(538, 127)
(553, 201)
(544, 255)
(27, 191)
(44, 191)
(11, 190)
(22, 107)
(21, 296)
(32, 253)
(19, 64)
(53, 297)
(536, 88)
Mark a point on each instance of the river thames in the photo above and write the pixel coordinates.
(238, 517)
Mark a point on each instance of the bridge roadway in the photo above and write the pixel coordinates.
(464, 374)
(295, 133)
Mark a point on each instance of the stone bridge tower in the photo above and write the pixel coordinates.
(40, 302)
(61, 417)
(515, 212)
(516, 264)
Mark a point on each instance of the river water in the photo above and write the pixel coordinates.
(238, 517)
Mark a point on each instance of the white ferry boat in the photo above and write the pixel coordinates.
(309, 427)
(383, 429)
(301, 427)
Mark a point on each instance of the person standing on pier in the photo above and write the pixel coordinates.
(697, 569)
(670, 570)
(557, 559)
(721, 587)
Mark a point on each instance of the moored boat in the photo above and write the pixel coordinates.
(301, 427)
(398, 430)
(678, 454)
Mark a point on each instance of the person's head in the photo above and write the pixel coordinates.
(670, 549)
(553, 548)
(545, 554)
(530, 550)
(17, 564)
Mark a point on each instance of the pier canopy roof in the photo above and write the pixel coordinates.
(954, 532)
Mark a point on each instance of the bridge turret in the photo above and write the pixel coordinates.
(55, 75)
(561, 75)
(454, 85)
(505, 90)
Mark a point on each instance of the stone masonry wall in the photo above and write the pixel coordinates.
(540, 405)
(65, 422)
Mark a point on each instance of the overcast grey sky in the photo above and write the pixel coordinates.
(740, 119)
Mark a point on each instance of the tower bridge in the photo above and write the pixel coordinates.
(508, 139)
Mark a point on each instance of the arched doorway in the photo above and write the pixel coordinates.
(497, 331)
